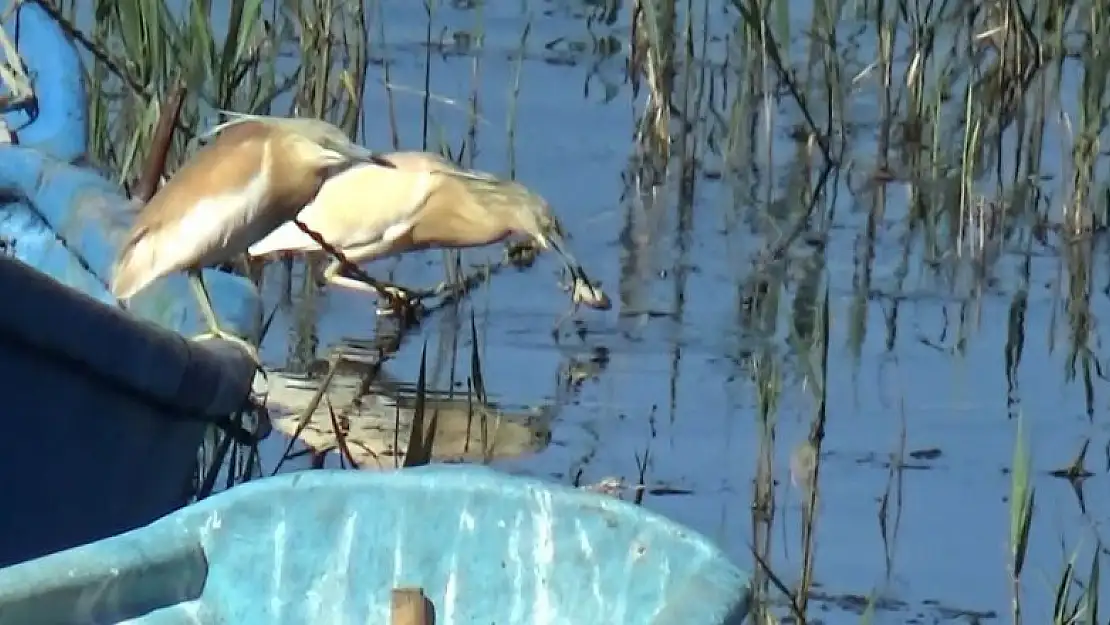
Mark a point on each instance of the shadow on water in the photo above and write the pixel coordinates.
(859, 261)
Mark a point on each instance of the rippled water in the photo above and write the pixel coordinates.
(917, 350)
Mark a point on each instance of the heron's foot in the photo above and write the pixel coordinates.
(399, 302)
(447, 288)
(394, 292)
(521, 254)
(420, 294)
(216, 333)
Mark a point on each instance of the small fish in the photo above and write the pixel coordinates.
(590, 295)
(584, 291)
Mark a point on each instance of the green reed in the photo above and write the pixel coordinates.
(969, 103)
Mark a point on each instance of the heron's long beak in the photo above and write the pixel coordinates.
(597, 298)
(555, 241)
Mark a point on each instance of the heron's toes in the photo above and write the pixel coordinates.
(398, 302)
(447, 289)
(395, 293)
(396, 308)
(387, 310)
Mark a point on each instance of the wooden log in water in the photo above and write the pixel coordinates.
(410, 606)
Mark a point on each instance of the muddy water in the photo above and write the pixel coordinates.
(917, 374)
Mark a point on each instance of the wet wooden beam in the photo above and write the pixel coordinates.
(410, 606)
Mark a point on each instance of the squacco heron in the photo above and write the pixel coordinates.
(256, 174)
(425, 201)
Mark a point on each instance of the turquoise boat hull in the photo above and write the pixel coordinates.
(327, 547)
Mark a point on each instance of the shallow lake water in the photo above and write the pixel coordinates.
(914, 353)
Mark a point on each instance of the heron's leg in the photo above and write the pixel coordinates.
(398, 296)
(196, 280)
(333, 275)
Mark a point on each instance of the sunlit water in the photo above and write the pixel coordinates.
(679, 381)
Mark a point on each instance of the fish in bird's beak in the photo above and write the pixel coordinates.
(583, 290)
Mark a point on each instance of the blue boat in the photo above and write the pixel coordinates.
(104, 411)
(327, 547)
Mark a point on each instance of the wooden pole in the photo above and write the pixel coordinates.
(409, 606)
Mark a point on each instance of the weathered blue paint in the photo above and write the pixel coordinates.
(103, 410)
(77, 205)
(103, 414)
(327, 547)
(56, 124)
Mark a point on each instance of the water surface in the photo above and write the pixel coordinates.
(917, 374)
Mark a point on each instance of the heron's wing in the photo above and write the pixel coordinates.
(205, 212)
(233, 118)
(432, 161)
(287, 238)
(362, 206)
